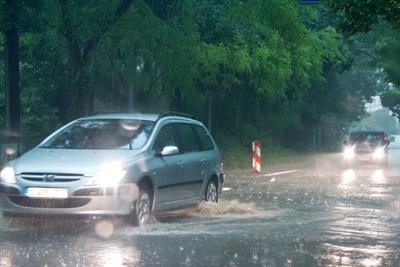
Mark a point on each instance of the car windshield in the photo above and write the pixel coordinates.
(366, 137)
(102, 134)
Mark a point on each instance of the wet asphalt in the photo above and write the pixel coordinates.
(315, 213)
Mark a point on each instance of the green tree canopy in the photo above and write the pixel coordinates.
(267, 65)
(363, 16)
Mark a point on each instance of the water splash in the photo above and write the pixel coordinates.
(233, 207)
(104, 229)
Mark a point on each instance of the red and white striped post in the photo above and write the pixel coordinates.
(256, 156)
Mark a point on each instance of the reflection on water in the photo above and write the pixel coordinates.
(348, 177)
(6, 260)
(354, 236)
(115, 257)
(351, 256)
(378, 176)
(371, 262)
(111, 258)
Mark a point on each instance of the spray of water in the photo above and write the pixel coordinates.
(223, 208)
(104, 229)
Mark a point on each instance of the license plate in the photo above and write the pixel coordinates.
(46, 192)
(365, 158)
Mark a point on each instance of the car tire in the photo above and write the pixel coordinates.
(141, 208)
(211, 194)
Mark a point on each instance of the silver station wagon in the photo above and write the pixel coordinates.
(127, 165)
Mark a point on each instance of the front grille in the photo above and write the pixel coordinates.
(67, 203)
(51, 177)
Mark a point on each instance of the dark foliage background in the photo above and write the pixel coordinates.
(276, 71)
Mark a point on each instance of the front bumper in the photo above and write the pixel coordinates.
(88, 201)
(366, 159)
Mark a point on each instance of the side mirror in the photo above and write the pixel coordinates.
(168, 151)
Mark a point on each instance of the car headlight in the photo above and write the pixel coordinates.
(379, 153)
(110, 174)
(349, 152)
(7, 175)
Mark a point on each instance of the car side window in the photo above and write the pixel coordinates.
(188, 136)
(205, 138)
(166, 137)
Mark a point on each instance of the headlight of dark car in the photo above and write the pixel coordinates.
(349, 152)
(379, 153)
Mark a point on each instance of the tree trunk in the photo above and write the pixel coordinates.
(79, 95)
(12, 92)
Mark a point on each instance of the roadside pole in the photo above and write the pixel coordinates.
(256, 154)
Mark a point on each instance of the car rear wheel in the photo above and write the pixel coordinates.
(212, 191)
(141, 208)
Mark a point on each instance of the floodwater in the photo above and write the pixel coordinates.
(315, 215)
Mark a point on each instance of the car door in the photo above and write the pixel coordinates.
(196, 167)
(169, 170)
(210, 152)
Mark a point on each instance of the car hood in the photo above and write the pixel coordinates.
(365, 146)
(77, 161)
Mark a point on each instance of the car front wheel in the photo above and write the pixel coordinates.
(212, 192)
(141, 208)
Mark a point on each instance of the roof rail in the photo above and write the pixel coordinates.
(176, 113)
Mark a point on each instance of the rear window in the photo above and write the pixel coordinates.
(205, 138)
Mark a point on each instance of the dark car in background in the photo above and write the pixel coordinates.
(127, 165)
(366, 147)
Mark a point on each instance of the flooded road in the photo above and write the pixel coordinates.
(316, 215)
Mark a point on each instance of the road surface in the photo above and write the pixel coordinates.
(314, 215)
